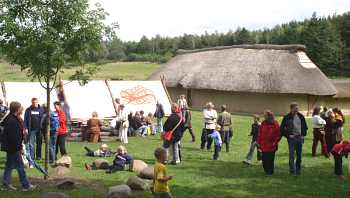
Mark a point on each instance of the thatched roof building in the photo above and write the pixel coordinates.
(242, 72)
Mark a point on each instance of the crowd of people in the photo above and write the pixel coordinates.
(217, 131)
(22, 139)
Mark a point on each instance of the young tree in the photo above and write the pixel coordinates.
(42, 35)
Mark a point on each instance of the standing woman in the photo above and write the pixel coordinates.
(12, 145)
(268, 138)
(124, 125)
(318, 124)
(331, 128)
(94, 127)
(62, 130)
(174, 123)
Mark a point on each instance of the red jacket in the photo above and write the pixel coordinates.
(341, 149)
(62, 118)
(269, 136)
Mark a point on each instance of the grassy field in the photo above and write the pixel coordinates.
(119, 70)
(198, 176)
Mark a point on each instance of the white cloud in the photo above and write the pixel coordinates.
(176, 17)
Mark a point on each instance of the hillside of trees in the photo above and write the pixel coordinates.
(327, 40)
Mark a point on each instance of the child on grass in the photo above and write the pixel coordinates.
(103, 151)
(120, 161)
(216, 137)
(161, 178)
(253, 144)
(338, 151)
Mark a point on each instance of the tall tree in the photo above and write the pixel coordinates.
(42, 35)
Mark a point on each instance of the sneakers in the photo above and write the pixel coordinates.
(30, 188)
(247, 162)
(31, 166)
(8, 187)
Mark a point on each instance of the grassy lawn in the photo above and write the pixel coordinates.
(119, 70)
(199, 176)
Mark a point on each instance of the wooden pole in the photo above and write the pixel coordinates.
(112, 97)
(162, 79)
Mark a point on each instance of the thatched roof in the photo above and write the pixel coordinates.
(247, 68)
(343, 88)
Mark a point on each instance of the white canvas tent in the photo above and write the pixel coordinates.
(141, 95)
(83, 100)
(23, 92)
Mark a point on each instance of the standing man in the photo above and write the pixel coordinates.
(32, 119)
(159, 114)
(210, 115)
(225, 121)
(294, 128)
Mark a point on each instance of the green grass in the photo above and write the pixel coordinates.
(118, 70)
(198, 176)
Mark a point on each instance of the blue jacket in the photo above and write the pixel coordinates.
(216, 137)
(27, 117)
(54, 122)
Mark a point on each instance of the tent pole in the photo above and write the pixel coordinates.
(162, 80)
(112, 97)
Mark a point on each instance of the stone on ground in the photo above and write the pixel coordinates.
(147, 173)
(138, 166)
(61, 171)
(66, 184)
(121, 191)
(136, 183)
(55, 195)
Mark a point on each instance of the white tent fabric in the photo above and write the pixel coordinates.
(23, 92)
(83, 100)
(141, 95)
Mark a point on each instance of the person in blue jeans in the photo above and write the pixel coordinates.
(32, 121)
(54, 125)
(12, 145)
(159, 115)
(294, 128)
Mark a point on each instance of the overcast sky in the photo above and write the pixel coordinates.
(176, 17)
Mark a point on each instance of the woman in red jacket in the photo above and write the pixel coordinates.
(62, 130)
(268, 138)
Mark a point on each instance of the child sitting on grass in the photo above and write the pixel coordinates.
(253, 144)
(338, 151)
(120, 161)
(161, 178)
(103, 151)
(216, 137)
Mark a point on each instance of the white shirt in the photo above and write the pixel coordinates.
(318, 122)
(210, 117)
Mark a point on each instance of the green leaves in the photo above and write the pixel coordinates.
(43, 35)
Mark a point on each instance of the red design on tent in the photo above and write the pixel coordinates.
(138, 95)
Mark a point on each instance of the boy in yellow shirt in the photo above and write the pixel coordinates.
(161, 178)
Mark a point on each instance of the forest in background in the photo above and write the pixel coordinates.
(327, 40)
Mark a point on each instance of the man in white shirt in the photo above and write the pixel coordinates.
(210, 115)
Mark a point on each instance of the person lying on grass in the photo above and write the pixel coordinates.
(161, 178)
(120, 161)
(103, 151)
(338, 151)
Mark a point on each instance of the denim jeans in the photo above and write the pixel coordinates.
(217, 149)
(14, 161)
(162, 195)
(31, 143)
(174, 149)
(205, 139)
(52, 147)
(142, 130)
(250, 154)
(295, 148)
(159, 126)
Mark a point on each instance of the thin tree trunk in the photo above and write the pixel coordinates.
(47, 126)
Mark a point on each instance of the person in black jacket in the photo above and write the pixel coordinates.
(175, 123)
(12, 145)
(159, 114)
(294, 128)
